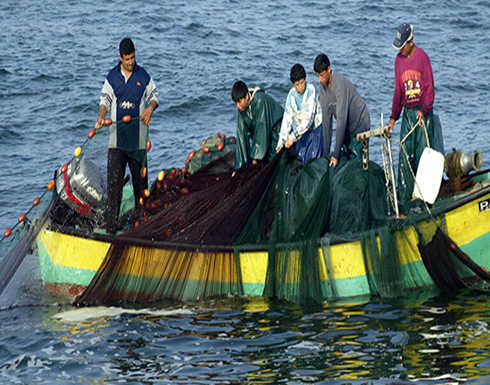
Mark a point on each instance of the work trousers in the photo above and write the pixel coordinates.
(116, 168)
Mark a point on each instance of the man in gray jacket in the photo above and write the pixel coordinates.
(340, 99)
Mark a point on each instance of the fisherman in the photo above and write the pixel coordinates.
(339, 98)
(414, 92)
(302, 120)
(258, 124)
(128, 90)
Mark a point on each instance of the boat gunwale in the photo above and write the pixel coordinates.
(420, 217)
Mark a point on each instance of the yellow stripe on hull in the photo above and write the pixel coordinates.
(466, 223)
(72, 251)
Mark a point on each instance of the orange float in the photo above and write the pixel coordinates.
(22, 217)
(91, 133)
(51, 185)
(107, 122)
(126, 118)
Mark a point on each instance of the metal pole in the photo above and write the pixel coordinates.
(392, 172)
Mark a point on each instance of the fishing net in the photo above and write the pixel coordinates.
(182, 248)
(194, 232)
(286, 229)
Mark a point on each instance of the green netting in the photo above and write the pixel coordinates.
(289, 220)
(192, 230)
(210, 149)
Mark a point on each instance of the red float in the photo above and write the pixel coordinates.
(91, 133)
(107, 122)
(126, 118)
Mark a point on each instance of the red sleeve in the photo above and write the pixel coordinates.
(397, 106)
(428, 86)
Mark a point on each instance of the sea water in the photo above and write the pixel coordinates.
(53, 62)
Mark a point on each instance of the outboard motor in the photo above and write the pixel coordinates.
(82, 187)
(459, 164)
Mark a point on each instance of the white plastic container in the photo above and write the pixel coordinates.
(429, 175)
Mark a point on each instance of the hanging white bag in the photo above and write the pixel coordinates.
(429, 175)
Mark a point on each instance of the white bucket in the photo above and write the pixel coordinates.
(429, 175)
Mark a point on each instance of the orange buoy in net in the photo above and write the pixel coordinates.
(51, 185)
(64, 168)
(126, 118)
(36, 201)
(147, 193)
(143, 172)
(107, 122)
(148, 145)
(91, 133)
(77, 152)
(7, 233)
(205, 149)
(22, 217)
(161, 175)
(220, 146)
(142, 201)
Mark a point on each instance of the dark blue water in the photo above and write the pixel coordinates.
(53, 62)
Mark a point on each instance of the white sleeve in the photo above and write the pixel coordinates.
(287, 122)
(107, 97)
(151, 92)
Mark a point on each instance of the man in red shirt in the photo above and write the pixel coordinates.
(414, 92)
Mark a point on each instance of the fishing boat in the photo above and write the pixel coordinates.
(417, 251)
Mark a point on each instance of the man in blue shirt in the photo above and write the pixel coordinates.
(128, 90)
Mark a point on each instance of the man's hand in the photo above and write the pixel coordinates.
(334, 162)
(147, 116)
(289, 142)
(99, 123)
(420, 117)
(391, 126)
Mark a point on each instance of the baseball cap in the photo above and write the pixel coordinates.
(403, 34)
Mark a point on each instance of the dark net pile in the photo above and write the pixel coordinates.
(194, 226)
(185, 239)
